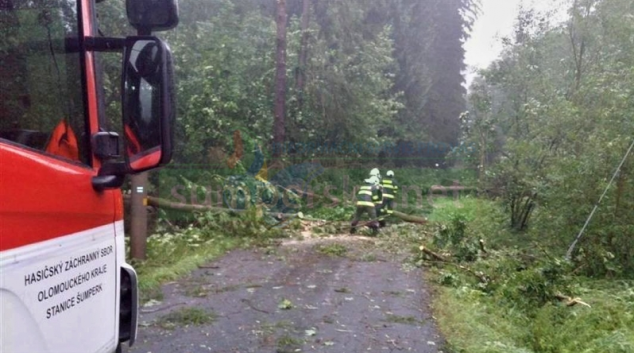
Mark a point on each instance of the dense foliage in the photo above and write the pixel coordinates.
(552, 119)
(363, 72)
(499, 292)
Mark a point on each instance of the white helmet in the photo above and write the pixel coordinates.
(372, 180)
(390, 173)
(375, 172)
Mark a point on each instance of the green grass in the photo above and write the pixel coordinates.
(366, 257)
(407, 320)
(288, 344)
(334, 249)
(471, 325)
(469, 207)
(504, 317)
(195, 289)
(185, 317)
(475, 323)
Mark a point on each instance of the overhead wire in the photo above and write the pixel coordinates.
(596, 206)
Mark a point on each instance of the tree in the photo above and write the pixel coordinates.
(280, 77)
(565, 117)
(300, 74)
(428, 36)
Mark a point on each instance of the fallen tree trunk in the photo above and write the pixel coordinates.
(409, 218)
(433, 254)
(162, 203)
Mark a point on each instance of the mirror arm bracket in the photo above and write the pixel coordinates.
(111, 175)
(113, 168)
(105, 182)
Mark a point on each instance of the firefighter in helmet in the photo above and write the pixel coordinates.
(378, 204)
(389, 189)
(366, 201)
(375, 173)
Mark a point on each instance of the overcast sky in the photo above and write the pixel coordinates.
(496, 21)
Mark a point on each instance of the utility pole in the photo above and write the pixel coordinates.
(138, 216)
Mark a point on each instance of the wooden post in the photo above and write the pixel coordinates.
(138, 216)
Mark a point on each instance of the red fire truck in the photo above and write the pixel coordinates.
(64, 283)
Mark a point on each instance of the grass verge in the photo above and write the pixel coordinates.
(515, 309)
(475, 323)
(171, 257)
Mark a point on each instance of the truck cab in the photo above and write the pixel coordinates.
(65, 285)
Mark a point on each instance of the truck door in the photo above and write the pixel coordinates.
(58, 269)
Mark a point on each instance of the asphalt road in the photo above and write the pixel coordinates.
(293, 298)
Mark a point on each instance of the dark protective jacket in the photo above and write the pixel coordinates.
(390, 188)
(368, 195)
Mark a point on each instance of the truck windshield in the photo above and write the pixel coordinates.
(42, 104)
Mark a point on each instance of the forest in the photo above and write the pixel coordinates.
(537, 257)
(374, 72)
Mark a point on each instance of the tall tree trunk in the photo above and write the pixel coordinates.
(303, 56)
(280, 79)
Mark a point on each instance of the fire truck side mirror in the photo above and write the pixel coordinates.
(148, 103)
(152, 15)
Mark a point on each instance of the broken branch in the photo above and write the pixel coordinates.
(571, 301)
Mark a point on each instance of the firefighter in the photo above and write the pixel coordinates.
(390, 188)
(375, 173)
(377, 204)
(366, 201)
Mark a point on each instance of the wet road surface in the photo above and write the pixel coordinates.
(300, 297)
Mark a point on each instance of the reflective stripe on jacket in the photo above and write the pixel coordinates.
(367, 196)
(390, 188)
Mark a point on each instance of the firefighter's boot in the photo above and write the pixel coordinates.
(374, 225)
(353, 227)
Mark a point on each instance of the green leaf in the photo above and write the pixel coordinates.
(285, 304)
